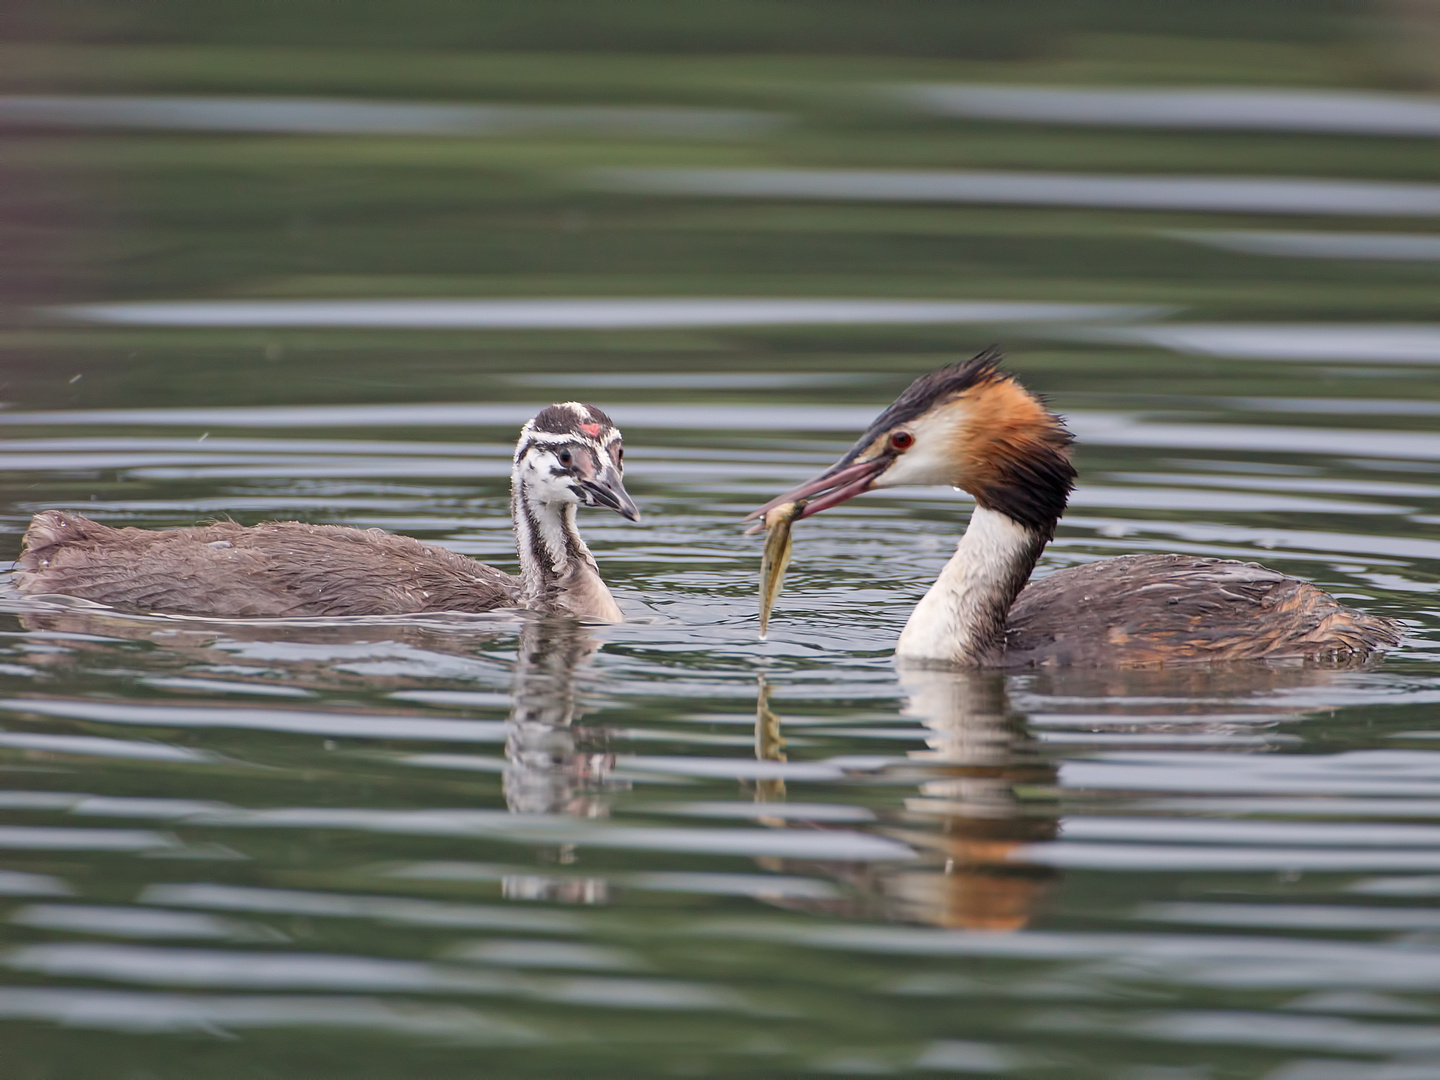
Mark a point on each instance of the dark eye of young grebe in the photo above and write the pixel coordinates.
(565, 457)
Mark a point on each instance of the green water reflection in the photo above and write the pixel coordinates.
(514, 847)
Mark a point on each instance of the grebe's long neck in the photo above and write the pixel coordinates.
(557, 571)
(961, 620)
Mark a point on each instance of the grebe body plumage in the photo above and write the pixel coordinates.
(568, 456)
(971, 426)
(1169, 610)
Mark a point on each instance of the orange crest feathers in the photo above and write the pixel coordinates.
(1014, 453)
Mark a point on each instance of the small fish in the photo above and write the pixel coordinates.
(776, 557)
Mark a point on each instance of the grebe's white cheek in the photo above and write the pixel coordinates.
(922, 465)
(542, 483)
(932, 459)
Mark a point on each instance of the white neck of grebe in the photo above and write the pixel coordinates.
(960, 622)
(557, 571)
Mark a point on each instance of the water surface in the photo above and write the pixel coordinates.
(513, 846)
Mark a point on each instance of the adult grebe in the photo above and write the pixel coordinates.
(972, 426)
(569, 455)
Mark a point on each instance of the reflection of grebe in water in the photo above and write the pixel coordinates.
(981, 759)
(971, 426)
(548, 769)
(554, 766)
(987, 810)
(568, 456)
(969, 820)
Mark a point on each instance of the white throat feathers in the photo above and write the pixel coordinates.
(961, 620)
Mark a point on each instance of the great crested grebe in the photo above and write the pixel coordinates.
(971, 426)
(569, 455)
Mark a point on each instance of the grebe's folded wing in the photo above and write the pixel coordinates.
(1172, 610)
(267, 571)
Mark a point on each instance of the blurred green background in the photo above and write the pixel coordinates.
(113, 214)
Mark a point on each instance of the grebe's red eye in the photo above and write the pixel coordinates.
(902, 440)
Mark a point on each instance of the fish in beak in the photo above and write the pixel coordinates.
(854, 473)
(777, 556)
(839, 483)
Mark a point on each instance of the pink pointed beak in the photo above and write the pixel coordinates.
(830, 488)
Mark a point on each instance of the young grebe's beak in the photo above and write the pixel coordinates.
(606, 489)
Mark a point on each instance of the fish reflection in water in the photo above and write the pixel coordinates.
(981, 800)
(769, 746)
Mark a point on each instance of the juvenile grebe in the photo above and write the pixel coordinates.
(569, 455)
(973, 427)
